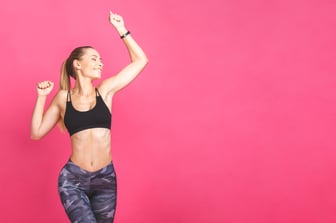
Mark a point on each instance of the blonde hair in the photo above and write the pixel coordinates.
(68, 70)
(65, 78)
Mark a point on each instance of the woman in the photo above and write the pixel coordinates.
(87, 182)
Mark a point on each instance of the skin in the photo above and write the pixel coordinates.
(91, 148)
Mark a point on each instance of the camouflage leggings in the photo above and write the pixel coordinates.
(88, 197)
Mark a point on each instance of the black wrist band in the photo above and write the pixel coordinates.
(124, 35)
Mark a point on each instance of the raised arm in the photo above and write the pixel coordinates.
(137, 56)
(41, 122)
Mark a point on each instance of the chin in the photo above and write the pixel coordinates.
(96, 76)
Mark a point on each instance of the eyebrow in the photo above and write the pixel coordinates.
(96, 56)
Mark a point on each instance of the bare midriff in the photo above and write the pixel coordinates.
(91, 148)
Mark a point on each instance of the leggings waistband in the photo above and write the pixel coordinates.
(75, 169)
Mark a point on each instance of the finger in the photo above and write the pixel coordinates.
(49, 84)
(41, 85)
(45, 84)
(114, 16)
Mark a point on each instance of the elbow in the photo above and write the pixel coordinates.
(140, 63)
(35, 136)
(145, 61)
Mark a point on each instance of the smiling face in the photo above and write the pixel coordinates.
(89, 65)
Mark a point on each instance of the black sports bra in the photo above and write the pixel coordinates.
(97, 117)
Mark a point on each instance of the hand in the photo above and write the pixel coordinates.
(44, 88)
(118, 22)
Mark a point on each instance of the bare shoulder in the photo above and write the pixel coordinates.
(60, 98)
(104, 90)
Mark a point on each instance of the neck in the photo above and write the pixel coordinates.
(83, 87)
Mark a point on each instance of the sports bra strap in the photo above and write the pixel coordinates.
(98, 94)
(69, 96)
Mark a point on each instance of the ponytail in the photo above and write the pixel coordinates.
(65, 77)
(67, 70)
(64, 85)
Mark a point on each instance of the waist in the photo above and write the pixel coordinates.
(91, 149)
(85, 172)
(90, 164)
(91, 158)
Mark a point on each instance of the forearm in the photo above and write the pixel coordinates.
(135, 51)
(37, 116)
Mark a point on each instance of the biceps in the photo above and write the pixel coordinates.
(49, 120)
(123, 78)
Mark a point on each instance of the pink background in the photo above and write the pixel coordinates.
(232, 121)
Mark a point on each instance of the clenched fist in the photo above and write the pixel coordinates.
(44, 88)
(117, 21)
